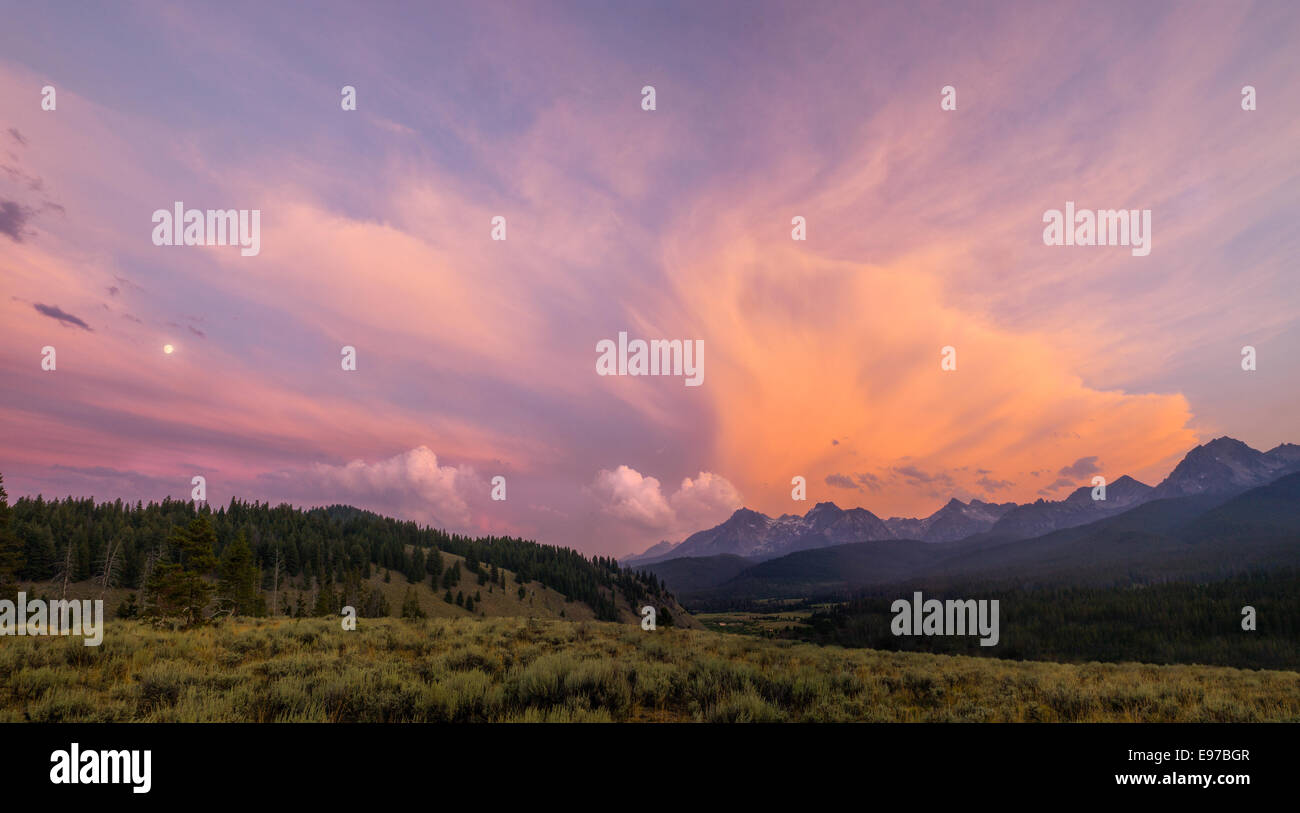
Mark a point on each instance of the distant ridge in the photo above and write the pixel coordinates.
(1198, 538)
(1222, 467)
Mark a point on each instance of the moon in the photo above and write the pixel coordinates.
(168, 349)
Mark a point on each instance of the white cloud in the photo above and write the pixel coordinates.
(412, 484)
(625, 494)
(704, 501)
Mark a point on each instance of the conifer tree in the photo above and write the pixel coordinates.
(11, 550)
(376, 605)
(237, 587)
(415, 569)
(434, 565)
(128, 608)
(177, 588)
(411, 605)
(326, 602)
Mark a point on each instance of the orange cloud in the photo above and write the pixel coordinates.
(804, 349)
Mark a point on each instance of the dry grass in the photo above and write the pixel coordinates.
(539, 600)
(507, 669)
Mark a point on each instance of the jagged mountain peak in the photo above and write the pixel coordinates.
(1288, 452)
(1222, 446)
(1223, 465)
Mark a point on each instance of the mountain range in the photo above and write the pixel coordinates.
(1200, 539)
(1221, 468)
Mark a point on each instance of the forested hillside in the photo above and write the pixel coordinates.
(257, 551)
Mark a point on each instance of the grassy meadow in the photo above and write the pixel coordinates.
(520, 669)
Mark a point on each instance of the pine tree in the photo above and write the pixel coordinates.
(38, 553)
(237, 587)
(376, 605)
(415, 570)
(11, 550)
(434, 565)
(326, 602)
(411, 605)
(291, 559)
(177, 588)
(276, 570)
(353, 593)
(128, 608)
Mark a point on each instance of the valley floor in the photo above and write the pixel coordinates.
(517, 669)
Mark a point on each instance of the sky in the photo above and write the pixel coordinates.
(476, 358)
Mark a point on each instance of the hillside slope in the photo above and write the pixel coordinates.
(493, 601)
(325, 557)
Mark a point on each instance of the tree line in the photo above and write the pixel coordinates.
(1174, 622)
(243, 558)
